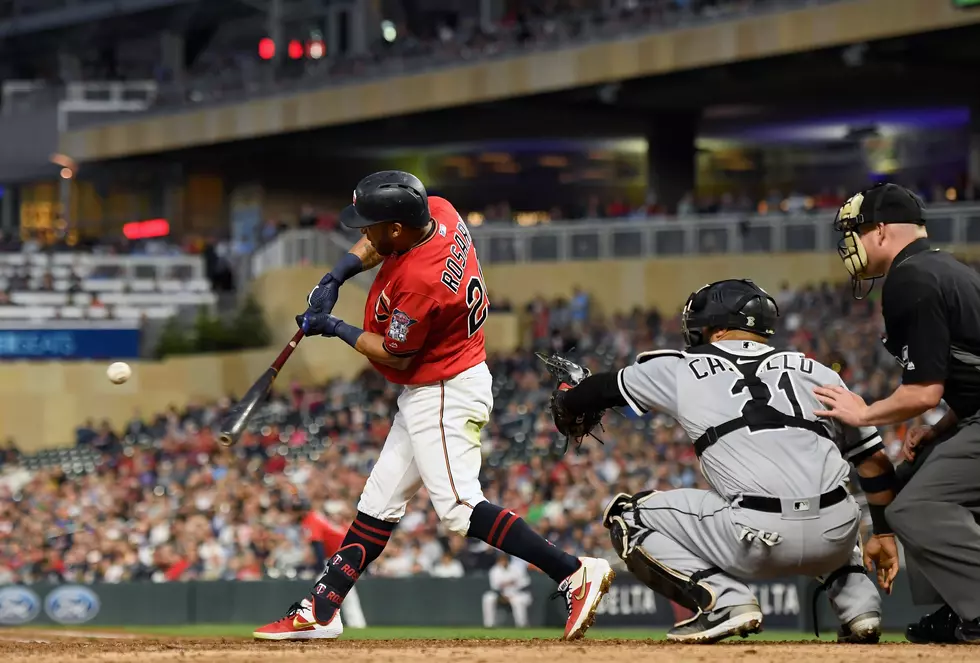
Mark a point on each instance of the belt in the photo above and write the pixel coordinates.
(775, 504)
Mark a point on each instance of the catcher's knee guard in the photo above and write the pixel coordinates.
(620, 519)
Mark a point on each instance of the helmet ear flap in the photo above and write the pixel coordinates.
(696, 302)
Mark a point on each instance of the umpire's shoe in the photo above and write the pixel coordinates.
(708, 627)
(969, 632)
(935, 628)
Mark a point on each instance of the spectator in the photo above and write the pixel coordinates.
(307, 217)
(447, 567)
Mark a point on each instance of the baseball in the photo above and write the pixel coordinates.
(119, 372)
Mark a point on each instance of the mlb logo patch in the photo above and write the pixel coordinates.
(802, 505)
(399, 325)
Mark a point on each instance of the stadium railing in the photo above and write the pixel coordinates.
(306, 246)
(633, 238)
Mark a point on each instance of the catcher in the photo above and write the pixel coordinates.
(777, 504)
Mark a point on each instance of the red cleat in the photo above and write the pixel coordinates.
(583, 591)
(300, 624)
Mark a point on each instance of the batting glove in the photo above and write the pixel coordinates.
(324, 324)
(323, 296)
(318, 324)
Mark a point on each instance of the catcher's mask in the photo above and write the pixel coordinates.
(732, 304)
(881, 204)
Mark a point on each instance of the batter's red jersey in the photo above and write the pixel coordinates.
(431, 302)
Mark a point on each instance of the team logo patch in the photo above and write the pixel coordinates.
(398, 327)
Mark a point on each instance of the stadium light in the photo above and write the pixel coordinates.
(388, 31)
(267, 49)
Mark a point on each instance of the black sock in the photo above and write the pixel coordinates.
(506, 531)
(364, 542)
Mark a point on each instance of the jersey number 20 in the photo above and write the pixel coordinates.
(476, 300)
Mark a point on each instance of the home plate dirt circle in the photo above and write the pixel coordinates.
(19, 646)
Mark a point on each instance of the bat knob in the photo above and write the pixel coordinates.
(226, 439)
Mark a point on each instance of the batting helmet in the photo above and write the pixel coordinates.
(388, 196)
(732, 304)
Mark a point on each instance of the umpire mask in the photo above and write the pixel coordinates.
(880, 205)
(850, 248)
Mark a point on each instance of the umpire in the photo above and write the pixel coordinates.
(931, 306)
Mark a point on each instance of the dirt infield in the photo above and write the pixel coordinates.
(47, 647)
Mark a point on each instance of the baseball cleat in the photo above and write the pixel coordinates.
(865, 629)
(708, 627)
(969, 632)
(300, 623)
(583, 591)
(937, 627)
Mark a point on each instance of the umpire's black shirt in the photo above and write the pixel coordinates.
(931, 305)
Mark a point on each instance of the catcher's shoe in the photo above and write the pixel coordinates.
(583, 591)
(707, 627)
(865, 629)
(301, 624)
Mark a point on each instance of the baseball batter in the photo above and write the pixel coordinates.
(423, 329)
(777, 503)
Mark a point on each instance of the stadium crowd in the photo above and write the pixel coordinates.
(164, 502)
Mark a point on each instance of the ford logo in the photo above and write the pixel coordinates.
(72, 604)
(18, 605)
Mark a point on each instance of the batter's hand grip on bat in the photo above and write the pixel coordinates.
(238, 416)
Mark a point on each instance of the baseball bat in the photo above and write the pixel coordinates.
(238, 416)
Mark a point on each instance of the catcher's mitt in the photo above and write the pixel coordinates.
(573, 426)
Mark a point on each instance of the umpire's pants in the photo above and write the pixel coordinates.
(935, 517)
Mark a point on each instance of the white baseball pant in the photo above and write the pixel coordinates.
(519, 603)
(434, 441)
(350, 610)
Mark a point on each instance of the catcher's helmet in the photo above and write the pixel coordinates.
(388, 196)
(732, 304)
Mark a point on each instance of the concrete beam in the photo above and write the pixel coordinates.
(653, 54)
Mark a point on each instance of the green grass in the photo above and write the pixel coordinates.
(443, 633)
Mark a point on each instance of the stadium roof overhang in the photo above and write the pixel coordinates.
(786, 77)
